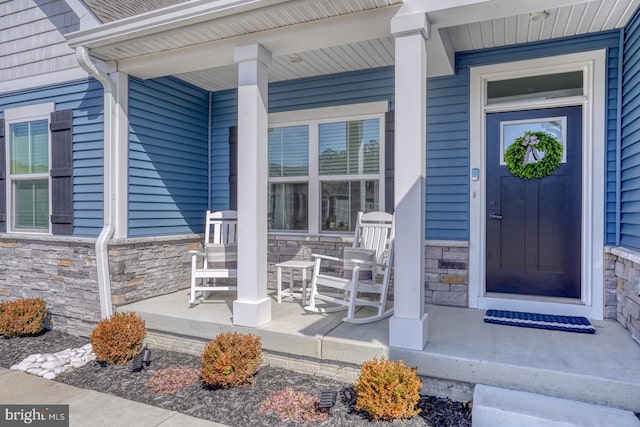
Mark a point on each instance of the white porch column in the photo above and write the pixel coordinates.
(253, 307)
(408, 327)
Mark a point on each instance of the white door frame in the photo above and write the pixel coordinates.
(593, 102)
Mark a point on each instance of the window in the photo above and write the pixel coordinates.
(554, 126)
(324, 169)
(536, 87)
(28, 165)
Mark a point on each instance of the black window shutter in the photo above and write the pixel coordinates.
(61, 172)
(389, 158)
(3, 196)
(233, 167)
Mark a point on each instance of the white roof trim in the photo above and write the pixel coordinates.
(180, 15)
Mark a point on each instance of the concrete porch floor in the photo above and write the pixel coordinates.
(603, 368)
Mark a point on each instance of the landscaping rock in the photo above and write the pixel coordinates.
(49, 365)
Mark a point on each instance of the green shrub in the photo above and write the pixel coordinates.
(231, 359)
(22, 317)
(118, 339)
(388, 390)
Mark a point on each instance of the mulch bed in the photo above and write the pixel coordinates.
(236, 406)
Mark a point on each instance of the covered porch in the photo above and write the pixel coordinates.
(239, 54)
(462, 350)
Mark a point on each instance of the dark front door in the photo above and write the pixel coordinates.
(533, 225)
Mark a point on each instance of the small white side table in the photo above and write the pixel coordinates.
(292, 265)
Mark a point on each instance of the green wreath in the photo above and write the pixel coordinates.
(533, 155)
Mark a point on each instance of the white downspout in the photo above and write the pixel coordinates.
(110, 145)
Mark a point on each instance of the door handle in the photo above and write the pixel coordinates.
(495, 216)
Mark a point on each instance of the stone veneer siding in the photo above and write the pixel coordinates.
(446, 263)
(146, 267)
(291, 247)
(610, 286)
(447, 273)
(60, 270)
(627, 273)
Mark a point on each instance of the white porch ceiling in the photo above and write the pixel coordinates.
(262, 19)
(349, 57)
(316, 37)
(569, 20)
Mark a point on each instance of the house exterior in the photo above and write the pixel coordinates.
(121, 124)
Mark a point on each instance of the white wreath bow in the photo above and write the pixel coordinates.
(532, 155)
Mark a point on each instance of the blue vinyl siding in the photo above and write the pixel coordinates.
(447, 207)
(85, 98)
(336, 89)
(224, 113)
(630, 138)
(610, 41)
(168, 124)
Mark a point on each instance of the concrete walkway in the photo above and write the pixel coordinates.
(88, 408)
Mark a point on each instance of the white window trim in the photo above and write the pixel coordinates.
(312, 118)
(23, 114)
(329, 114)
(593, 65)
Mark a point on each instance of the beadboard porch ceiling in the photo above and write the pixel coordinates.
(310, 38)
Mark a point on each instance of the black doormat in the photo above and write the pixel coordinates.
(540, 321)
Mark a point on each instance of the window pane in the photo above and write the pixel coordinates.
(288, 206)
(31, 204)
(535, 87)
(514, 129)
(29, 147)
(341, 202)
(349, 148)
(289, 151)
(40, 144)
(19, 140)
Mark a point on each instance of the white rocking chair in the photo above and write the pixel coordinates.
(220, 255)
(365, 273)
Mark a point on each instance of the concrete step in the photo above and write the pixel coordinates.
(500, 407)
(462, 350)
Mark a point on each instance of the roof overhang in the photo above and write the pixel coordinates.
(159, 21)
(201, 35)
(335, 31)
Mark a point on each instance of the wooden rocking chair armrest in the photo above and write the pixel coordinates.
(196, 253)
(360, 262)
(331, 258)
